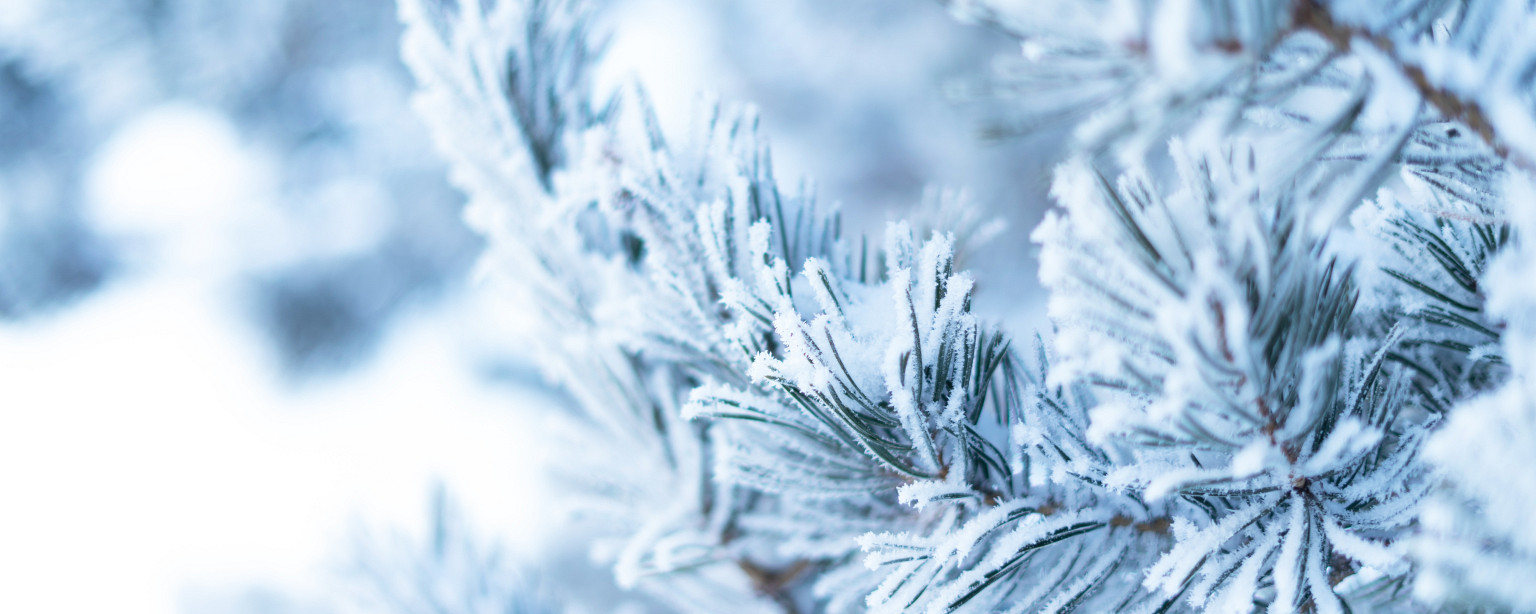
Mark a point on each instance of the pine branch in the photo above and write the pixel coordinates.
(1311, 14)
(1238, 389)
(1248, 405)
(452, 572)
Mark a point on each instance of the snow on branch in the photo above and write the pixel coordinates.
(1217, 331)
(1477, 544)
(1284, 352)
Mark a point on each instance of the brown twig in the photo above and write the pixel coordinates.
(1311, 15)
(775, 583)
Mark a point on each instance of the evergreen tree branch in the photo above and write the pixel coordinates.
(1313, 15)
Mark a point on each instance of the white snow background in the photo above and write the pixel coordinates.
(150, 451)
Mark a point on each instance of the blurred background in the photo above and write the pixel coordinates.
(244, 364)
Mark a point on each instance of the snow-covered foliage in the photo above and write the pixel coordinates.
(453, 571)
(1218, 329)
(1288, 320)
(1477, 542)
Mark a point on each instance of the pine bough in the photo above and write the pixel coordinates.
(1291, 316)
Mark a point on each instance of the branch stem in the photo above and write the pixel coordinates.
(1310, 14)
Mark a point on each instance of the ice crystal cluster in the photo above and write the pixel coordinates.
(1291, 313)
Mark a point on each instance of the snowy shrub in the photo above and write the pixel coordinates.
(1289, 307)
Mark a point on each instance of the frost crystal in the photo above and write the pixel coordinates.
(1290, 319)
